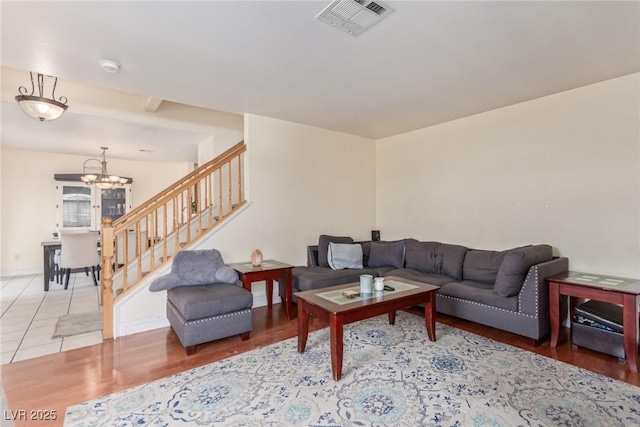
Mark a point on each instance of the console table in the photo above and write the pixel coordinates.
(616, 290)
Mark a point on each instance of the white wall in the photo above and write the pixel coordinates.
(301, 182)
(562, 170)
(28, 199)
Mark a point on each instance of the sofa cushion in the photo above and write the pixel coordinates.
(307, 278)
(421, 256)
(366, 248)
(201, 301)
(478, 292)
(450, 259)
(323, 247)
(418, 276)
(515, 266)
(386, 254)
(341, 256)
(482, 266)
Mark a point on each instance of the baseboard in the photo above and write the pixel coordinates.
(261, 300)
(20, 272)
(141, 325)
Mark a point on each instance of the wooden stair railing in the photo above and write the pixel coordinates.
(147, 237)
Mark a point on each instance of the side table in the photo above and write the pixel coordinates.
(268, 271)
(616, 290)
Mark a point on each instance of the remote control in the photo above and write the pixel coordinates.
(389, 288)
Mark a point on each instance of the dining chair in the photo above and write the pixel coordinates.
(79, 250)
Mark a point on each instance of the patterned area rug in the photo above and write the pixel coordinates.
(392, 375)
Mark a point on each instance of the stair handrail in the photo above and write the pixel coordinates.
(179, 185)
(213, 200)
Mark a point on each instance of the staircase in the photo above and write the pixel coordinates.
(146, 238)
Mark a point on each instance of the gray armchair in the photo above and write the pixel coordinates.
(205, 299)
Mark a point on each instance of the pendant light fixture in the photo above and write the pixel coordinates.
(94, 171)
(36, 105)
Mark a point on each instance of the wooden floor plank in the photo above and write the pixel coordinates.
(54, 382)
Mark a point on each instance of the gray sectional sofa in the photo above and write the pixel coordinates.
(502, 289)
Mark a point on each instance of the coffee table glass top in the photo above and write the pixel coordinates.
(331, 299)
(336, 296)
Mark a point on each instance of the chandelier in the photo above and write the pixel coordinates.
(94, 171)
(40, 107)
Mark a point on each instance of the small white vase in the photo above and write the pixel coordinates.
(256, 258)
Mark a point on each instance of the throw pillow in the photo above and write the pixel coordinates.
(516, 265)
(341, 256)
(387, 254)
(323, 247)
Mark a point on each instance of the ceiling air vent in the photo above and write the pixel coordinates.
(354, 16)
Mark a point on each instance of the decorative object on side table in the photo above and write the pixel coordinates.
(256, 258)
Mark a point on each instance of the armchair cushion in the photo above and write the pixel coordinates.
(166, 282)
(201, 267)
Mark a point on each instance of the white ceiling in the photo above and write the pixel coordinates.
(426, 63)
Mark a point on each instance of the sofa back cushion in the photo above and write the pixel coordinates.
(482, 266)
(450, 259)
(366, 248)
(386, 254)
(323, 247)
(516, 264)
(421, 256)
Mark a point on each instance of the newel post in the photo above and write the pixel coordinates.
(106, 281)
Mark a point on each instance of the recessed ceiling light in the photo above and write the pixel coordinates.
(109, 66)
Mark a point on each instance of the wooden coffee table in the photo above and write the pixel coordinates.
(330, 305)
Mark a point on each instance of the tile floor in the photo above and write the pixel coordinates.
(28, 315)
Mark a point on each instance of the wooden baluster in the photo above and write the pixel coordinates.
(189, 195)
(165, 252)
(106, 278)
(125, 259)
(198, 209)
(176, 225)
(230, 190)
(220, 194)
(210, 197)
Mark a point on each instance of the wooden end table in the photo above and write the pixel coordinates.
(268, 271)
(615, 290)
(329, 305)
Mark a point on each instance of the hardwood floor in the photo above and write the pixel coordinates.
(54, 382)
